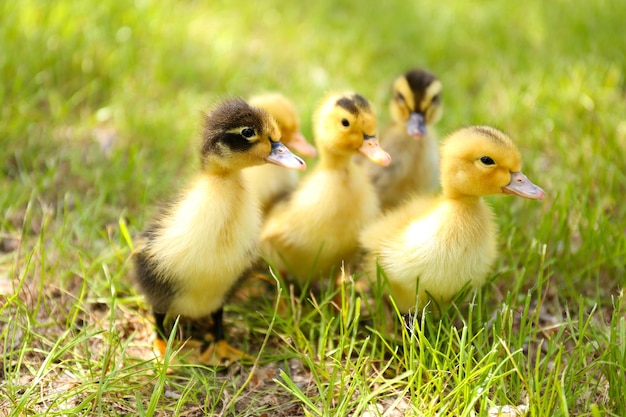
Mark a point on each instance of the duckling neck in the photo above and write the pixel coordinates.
(469, 213)
(461, 198)
(212, 168)
(331, 160)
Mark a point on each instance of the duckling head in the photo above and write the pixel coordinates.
(286, 116)
(237, 135)
(416, 101)
(345, 124)
(480, 160)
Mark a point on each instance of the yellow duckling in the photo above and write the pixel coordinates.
(410, 140)
(271, 182)
(317, 228)
(202, 244)
(431, 247)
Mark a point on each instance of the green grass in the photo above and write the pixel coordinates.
(99, 122)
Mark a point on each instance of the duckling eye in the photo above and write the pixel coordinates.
(487, 160)
(400, 97)
(345, 122)
(247, 132)
(436, 99)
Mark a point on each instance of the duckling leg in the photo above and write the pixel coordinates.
(160, 343)
(216, 351)
(218, 325)
(161, 334)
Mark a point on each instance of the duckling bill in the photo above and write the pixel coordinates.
(207, 238)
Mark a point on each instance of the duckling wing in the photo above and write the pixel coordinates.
(391, 224)
(277, 223)
(394, 182)
(286, 239)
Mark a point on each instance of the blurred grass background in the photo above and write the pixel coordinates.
(101, 102)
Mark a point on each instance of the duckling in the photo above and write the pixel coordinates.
(318, 226)
(271, 182)
(202, 244)
(410, 140)
(431, 247)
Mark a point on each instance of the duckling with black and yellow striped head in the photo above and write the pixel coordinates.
(207, 238)
(410, 140)
(317, 228)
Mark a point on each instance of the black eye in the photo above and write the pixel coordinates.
(487, 160)
(400, 97)
(247, 132)
(436, 99)
(345, 122)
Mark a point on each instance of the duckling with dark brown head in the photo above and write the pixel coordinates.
(410, 140)
(205, 241)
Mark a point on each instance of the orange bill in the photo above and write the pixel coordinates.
(372, 150)
(298, 144)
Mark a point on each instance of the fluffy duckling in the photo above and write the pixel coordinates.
(448, 241)
(271, 182)
(410, 140)
(202, 244)
(318, 226)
